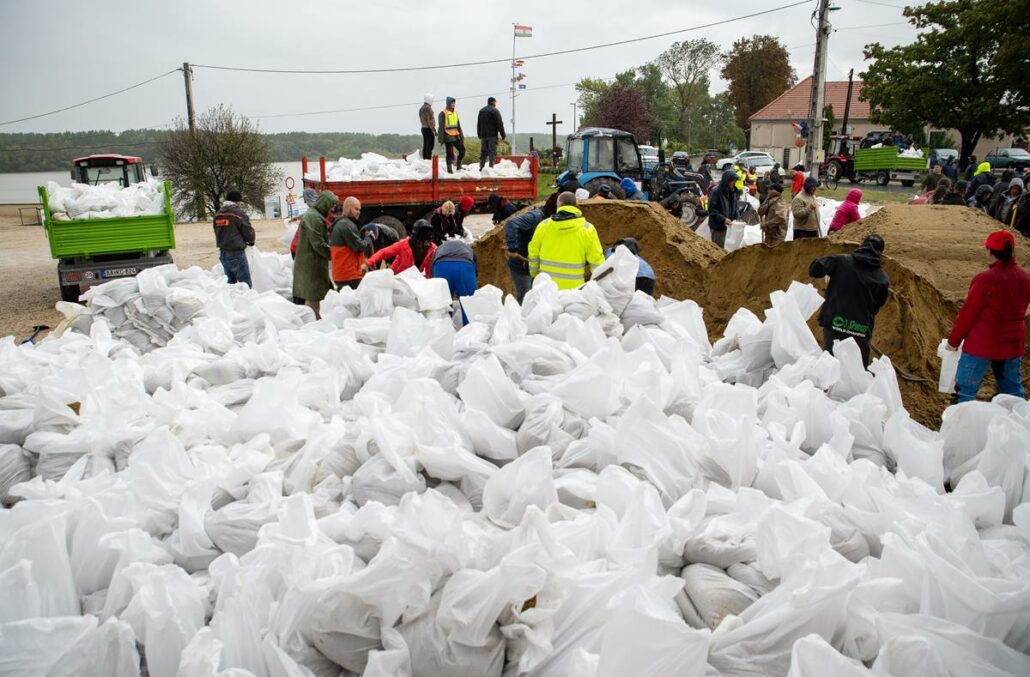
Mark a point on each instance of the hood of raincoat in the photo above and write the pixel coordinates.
(982, 168)
(854, 195)
(729, 177)
(325, 203)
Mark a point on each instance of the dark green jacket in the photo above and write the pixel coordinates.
(311, 267)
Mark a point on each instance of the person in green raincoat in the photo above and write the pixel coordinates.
(311, 268)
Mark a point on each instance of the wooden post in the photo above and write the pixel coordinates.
(554, 138)
(187, 74)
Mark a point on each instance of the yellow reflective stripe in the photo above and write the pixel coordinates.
(563, 276)
(559, 264)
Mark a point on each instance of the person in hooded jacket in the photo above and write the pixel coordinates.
(1007, 210)
(415, 250)
(502, 207)
(311, 278)
(455, 262)
(857, 290)
(425, 118)
(233, 234)
(991, 327)
(956, 196)
(645, 273)
(806, 211)
(950, 170)
(723, 206)
(451, 135)
(773, 213)
(1001, 189)
(847, 212)
(981, 177)
(797, 179)
(378, 236)
(564, 245)
(629, 187)
(981, 200)
(309, 196)
(518, 233)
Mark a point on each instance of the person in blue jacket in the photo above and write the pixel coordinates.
(645, 273)
(630, 188)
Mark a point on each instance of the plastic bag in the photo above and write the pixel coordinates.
(918, 450)
(15, 467)
(714, 594)
(526, 481)
(487, 388)
(949, 366)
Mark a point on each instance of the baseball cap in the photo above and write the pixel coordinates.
(997, 240)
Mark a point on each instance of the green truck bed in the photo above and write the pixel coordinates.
(876, 159)
(119, 235)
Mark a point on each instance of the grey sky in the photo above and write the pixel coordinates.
(60, 52)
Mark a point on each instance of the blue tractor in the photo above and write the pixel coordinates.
(598, 156)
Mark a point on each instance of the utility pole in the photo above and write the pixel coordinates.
(554, 138)
(514, 34)
(815, 112)
(187, 74)
(575, 120)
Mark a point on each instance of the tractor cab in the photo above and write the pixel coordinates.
(601, 156)
(123, 170)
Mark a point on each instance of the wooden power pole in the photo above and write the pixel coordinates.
(815, 113)
(554, 138)
(187, 74)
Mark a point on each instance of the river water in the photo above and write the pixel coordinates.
(21, 186)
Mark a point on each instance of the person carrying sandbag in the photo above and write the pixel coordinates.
(857, 290)
(991, 325)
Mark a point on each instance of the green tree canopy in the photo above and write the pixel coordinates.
(758, 70)
(685, 66)
(967, 70)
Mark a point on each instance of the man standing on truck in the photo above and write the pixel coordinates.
(425, 116)
(347, 249)
(451, 136)
(233, 234)
(311, 268)
(488, 126)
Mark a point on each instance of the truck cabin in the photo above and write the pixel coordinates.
(597, 152)
(123, 170)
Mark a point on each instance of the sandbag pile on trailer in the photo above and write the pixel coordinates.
(375, 167)
(105, 200)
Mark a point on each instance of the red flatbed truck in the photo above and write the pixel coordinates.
(400, 203)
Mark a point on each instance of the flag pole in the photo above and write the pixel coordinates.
(512, 85)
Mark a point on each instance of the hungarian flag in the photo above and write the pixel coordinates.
(523, 31)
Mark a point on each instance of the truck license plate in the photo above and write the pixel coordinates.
(118, 272)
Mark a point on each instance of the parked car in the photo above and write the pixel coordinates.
(648, 156)
(1008, 158)
(680, 159)
(727, 162)
(763, 164)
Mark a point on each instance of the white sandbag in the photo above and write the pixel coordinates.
(487, 388)
(813, 657)
(378, 480)
(919, 451)
(949, 367)
(524, 482)
(433, 652)
(714, 594)
(964, 428)
(15, 467)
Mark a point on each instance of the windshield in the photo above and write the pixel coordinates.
(602, 154)
(574, 154)
(1017, 152)
(98, 175)
(648, 151)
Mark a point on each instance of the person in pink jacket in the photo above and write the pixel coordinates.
(847, 212)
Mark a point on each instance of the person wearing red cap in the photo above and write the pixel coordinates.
(991, 325)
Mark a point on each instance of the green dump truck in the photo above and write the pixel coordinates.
(94, 250)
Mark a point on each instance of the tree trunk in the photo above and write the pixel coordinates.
(969, 138)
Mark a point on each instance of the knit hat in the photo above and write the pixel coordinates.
(466, 204)
(810, 183)
(428, 98)
(309, 196)
(605, 190)
(628, 185)
(1016, 182)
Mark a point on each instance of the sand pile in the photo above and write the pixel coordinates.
(932, 254)
(678, 256)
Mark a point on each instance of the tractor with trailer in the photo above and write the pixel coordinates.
(90, 250)
(881, 165)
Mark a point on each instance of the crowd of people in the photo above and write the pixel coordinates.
(1006, 200)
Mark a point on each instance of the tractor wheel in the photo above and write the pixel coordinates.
(595, 184)
(882, 178)
(689, 214)
(70, 293)
(394, 223)
(834, 170)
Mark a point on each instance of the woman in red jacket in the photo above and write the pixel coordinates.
(847, 212)
(418, 248)
(992, 322)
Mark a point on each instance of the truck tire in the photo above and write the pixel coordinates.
(882, 178)
(834, 170)
(908, 183)
(594, 185)
(394, 223)
(70, 293)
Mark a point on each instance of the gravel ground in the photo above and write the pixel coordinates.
(28, 276)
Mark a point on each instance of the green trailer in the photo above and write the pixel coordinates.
(92, 251)
(881, 165)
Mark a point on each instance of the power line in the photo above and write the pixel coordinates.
(505, 59)
(881, 4)
(98, 98)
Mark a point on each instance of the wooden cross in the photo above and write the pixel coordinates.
(554, 138)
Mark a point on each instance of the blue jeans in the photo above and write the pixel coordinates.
(971, 371)
(461, 279)
(520, 278)
(236, 267)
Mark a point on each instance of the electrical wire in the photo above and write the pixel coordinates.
(881, 4)
(505, 59)
(98, 98)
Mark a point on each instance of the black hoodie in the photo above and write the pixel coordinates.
(722, 202)
(857, 290)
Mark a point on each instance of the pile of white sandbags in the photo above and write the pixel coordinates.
(579, 486)
(375, 167)
(105, 200)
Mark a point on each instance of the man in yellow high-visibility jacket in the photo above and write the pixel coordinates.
(564, 245)
(451, 136)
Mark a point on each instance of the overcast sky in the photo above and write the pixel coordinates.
(61, 52)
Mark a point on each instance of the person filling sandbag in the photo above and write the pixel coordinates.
(455, 262)
(346, 246)
(417, 249)
(773, 213)
(990, 327)
(645, 273)
(856, 292)
(723, 207)
(847, 212)
(564, 245)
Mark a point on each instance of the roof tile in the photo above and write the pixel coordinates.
(793, 104)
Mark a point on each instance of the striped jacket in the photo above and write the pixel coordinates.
(563, 246)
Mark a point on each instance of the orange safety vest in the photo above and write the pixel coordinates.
(450, 122)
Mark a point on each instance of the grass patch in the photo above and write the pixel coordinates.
(871, 194)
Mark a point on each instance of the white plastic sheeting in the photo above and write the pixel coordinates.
(581, 485)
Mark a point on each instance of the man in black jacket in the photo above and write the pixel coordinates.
(233, 234)
(723, 207)
(857, 290)
(488, 126)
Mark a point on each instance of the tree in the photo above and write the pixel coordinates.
(647, 79)
(224, 153)
(624, 106)
(712, 125)
(758, 70)
(686, 66)
(965, 71)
